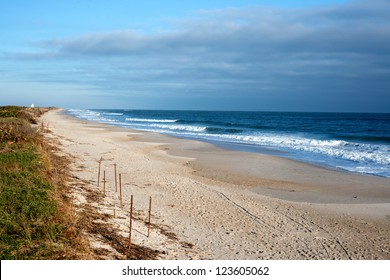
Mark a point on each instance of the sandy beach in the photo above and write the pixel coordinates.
(211, 203)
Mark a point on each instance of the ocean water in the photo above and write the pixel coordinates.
(348, 141)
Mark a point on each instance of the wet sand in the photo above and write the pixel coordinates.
(211, 203)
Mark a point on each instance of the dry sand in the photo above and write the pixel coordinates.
(210, 203)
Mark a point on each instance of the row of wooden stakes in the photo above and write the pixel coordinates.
(120, 199)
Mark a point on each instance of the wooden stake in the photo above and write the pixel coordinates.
(150, 212)
(114, 208)
(116, 185)
(100, 161)
(131, 220)
(120, 189)
(104, 181)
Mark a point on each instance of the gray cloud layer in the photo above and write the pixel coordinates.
(306, 58)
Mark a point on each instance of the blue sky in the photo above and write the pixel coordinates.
(210, 55)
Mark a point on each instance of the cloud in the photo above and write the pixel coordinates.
(236, 52)
(356, 27)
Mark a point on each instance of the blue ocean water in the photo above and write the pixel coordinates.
(349, 141)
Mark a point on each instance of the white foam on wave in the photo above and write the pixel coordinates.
(113, 114)
(91, 115)
(339, 149)
(189, 128)
(354, 157)
(84, 113)
(107, 120)
(149, 120)
(357, 152)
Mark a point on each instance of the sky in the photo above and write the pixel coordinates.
(262, 55)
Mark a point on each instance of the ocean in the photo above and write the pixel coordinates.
(353, 142)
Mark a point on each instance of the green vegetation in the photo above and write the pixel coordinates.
(36, 220)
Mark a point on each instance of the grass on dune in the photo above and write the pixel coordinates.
(36, 218)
